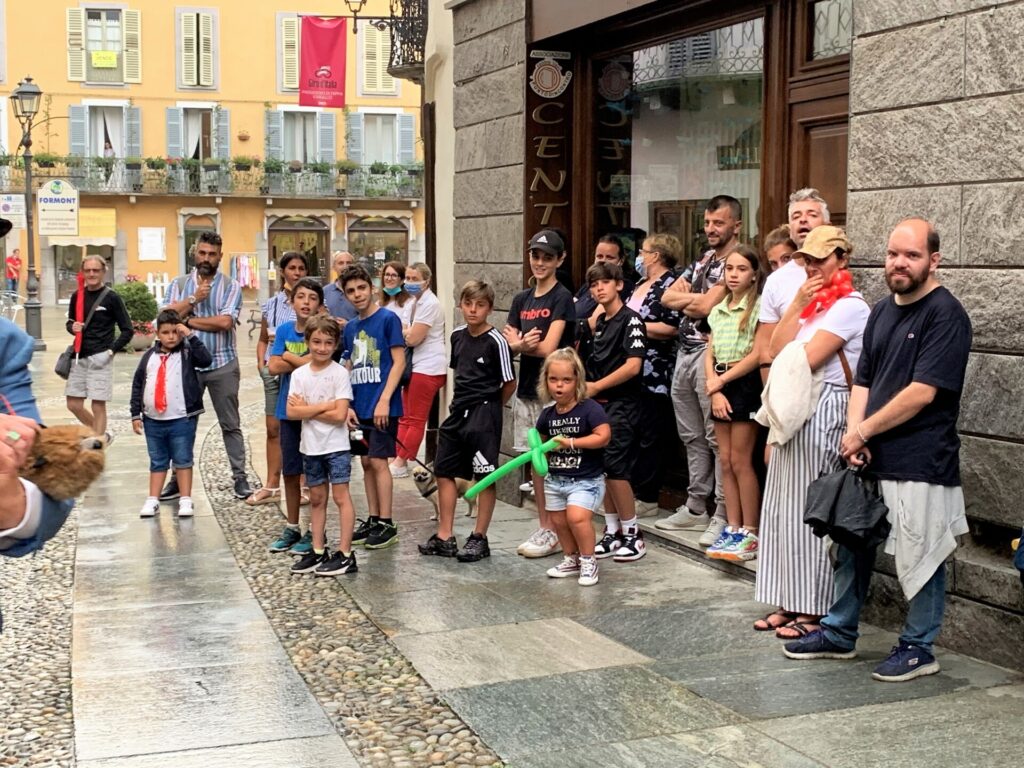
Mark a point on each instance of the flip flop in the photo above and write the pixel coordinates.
(798, 628)
(270, 496)
(787, 617)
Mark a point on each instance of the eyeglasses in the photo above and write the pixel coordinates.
(644, 250)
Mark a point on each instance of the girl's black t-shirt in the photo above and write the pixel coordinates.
(576, 423)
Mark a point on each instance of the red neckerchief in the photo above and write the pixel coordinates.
(840, 286)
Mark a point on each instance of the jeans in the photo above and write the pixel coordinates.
(417, 400)
(692, 407)
(222, 384)
(12, 284)
(853, 577)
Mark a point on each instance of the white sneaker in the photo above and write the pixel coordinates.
(150, 508)
(646, 508)
(108, 436)
(185, 508)
(588, 572)
(398, 472)
(526, 487)
(540, 544)
(632, 549)
(714, 530)
(682, 520)
(569, 566)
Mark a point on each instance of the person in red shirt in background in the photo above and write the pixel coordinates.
(13, 270)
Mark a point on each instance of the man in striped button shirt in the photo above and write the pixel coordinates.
(209, 302)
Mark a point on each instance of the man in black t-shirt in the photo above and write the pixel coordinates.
(902, 422)
(614, 369)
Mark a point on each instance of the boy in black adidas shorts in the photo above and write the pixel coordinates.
(614, 369)
(470, 438)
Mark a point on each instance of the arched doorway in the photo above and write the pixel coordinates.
(306, 234)
(374, 240)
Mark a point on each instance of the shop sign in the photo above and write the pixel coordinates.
(613, 154)
(12, 208)
(104, 59)
(57, 201)
(549, 123)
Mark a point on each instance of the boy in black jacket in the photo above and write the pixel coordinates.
(166, 403)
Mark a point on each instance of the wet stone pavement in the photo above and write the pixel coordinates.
(186, 643)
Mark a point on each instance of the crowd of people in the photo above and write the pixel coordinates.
(769, 365)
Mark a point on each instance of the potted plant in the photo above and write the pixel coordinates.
(396, 170)
(133, 163)
(273, 165)
(295, 166)
(212, 164)
(142, 311)
(414, 169)
(156, 163)
(318, 167)
(244, 162)
(347, 167)
(379, 168)
(46, 159)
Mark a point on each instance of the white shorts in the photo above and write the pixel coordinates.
(92, 377)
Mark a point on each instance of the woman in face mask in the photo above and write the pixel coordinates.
(425, 343)
(393, 295)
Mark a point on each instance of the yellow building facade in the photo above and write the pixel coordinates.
(173, 119)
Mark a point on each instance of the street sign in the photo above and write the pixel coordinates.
(58, 208)
(12, 208)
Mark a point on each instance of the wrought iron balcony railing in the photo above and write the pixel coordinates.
(408, 39)
(108, 176)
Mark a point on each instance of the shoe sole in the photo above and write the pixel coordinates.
(603, 555)
(536, 555)
(437, 554)
(927, 669)
(185, 514)
(145, 516)
(389, 543)
(281, 549)
(472, 558)
(304, 570)
(562, 575)
(629, 558)
(337, 573)
(662, 526)
(587, 582)
(293, 553)
(820, 655)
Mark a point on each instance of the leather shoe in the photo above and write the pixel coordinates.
(242, 489)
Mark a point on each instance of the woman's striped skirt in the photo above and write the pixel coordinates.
(794, 571)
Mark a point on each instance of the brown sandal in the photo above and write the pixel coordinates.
(766, 624)
(797, 628)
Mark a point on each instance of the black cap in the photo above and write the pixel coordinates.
(5, 227)
(547, 241)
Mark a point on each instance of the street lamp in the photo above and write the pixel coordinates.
(25, 101)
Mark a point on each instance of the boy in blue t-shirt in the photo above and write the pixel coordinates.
(375, 356)
(289, 352)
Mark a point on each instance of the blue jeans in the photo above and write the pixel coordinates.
(12, 284)
(170, 440)
(853, 577)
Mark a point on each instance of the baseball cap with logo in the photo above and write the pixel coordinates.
(548, 242)
(822, 240)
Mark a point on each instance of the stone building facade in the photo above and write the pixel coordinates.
(935, 100)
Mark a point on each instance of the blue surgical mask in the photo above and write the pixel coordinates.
(639, 264)
(393, 291)
(414, 288)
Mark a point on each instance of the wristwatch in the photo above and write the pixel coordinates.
(192, 299)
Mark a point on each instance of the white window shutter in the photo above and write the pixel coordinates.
(387, 82)
(222, 136)
(75, 18)
(175, 140)
(273, 135)
(205, 49)
(354, 137)
(132, 31)
(376, 57)
(326, 131)
(132, 132)
(290, 53)
(406, 139)
(78, 133)
(189, 44)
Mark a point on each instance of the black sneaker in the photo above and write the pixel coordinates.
(337, 565)
(311, 560)
(170, 491)
(474, 549)
(242, 488)
(383, 535)
(363, 530)
(608, 545)
(440, 547)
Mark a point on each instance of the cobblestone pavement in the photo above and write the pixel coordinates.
(193, 646)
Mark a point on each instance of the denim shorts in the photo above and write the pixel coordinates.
(561, 491)
(170, 440)
(334, 468)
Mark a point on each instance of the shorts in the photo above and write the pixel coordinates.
(271, 388)
(291, 456)
(92, 378)
(469, 442)
(377, 443)
(620, 453)
(561, 492)
(524, 418)
(170, 440)
(334, 468)
(744, 396)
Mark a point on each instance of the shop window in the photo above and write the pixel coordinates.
(374, 240)
(675, 125)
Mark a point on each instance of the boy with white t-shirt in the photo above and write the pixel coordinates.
(319, 394)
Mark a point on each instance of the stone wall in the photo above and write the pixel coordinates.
(936, 102)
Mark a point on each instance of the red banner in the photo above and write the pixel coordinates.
(322, 63)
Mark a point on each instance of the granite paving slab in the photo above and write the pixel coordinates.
(504, 652)
(313, 752)
(135, 539)
(530, 717)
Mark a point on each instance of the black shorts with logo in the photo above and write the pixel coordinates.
(469, 441)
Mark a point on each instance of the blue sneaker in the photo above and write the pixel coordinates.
(814, 645)
(728, 538)
(284, 542)
(905, 662)
(303, 546)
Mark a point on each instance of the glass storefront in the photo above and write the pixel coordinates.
(305, 234)
(67, 261)
(375, 240)
(676, 124)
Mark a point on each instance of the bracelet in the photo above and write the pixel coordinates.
(861, 435)
(572, 444)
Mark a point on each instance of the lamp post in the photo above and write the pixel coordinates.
(25, 100)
